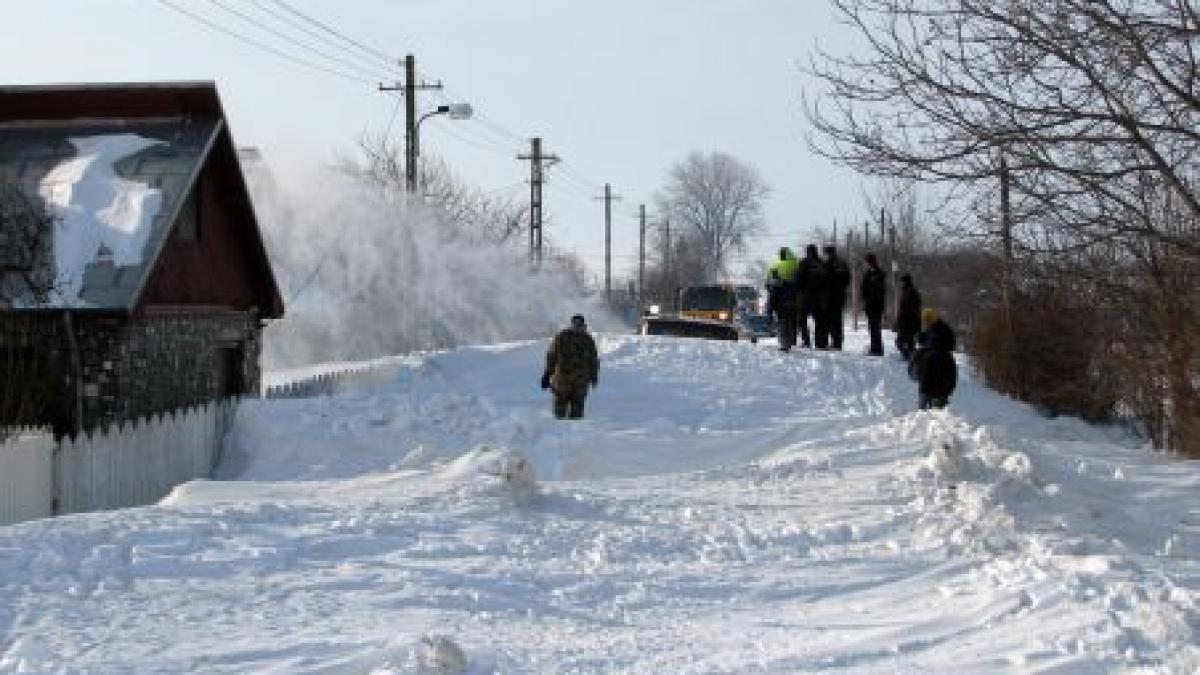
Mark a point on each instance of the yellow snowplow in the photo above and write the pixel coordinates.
(715, 303)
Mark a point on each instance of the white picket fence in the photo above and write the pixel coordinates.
(128, 465)
(26, 476)
(329, 383)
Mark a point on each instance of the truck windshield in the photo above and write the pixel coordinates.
(707, 298)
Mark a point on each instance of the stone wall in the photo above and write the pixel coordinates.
(135, 367)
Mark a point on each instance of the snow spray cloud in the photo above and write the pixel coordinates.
(364, 275)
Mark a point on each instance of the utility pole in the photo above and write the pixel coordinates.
(641, 256)
(608, 200)
(895, 272)
(668, 272)
(536, 177)
(409, 89)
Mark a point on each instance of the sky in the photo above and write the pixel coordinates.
(620, 90)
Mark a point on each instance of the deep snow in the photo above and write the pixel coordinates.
(97, 210)
(725, 508)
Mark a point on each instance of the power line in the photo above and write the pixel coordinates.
(288, 38)
(262, 45)
(319, 24)
(370, 62)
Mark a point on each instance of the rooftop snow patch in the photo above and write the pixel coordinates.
(99, 213)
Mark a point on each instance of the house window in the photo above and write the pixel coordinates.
(188, 224)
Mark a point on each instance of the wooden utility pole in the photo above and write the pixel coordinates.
(641, 256)
(851, 257)
(608, 200)
(536, 160)
(409, 89)
(894, 266)
(668, 272)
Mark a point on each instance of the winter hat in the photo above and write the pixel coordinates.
(929, 315)
(577, 321)
(811, 250)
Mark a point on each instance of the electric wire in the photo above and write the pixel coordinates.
(371, 61)
(288, 38)
(321, 25)
(262, 45)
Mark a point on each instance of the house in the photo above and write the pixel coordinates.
(133, 275)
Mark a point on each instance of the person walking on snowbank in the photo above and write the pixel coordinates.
(781, 296)
(873, 292)
(837, 280)
(933, 363)
(908, 319)
(572, 365)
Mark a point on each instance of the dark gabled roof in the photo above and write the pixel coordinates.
(186, 120)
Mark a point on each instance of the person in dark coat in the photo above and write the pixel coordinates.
(908, 318)
(811, 281)
(873, 291)
(781, 296)
(837, 281)
(572, 365)
(933, 363)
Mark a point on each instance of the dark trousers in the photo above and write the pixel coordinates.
(568, 403)
(787, 327)
(906, 344)
(833, 324)
(807, 310)
(875, 329)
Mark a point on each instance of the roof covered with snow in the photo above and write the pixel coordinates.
(112, 165)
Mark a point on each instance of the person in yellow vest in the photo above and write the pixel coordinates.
(782, 296)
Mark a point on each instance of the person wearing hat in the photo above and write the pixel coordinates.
(933, 364)
(810, 280)
(873, 291)
(781, 296)
(908, 318)
(572, 365)
(837, 280)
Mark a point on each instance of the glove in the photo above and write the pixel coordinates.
(545, 381)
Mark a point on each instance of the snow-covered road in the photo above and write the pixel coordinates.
(725, 508)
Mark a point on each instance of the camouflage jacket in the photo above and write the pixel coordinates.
(571, 361)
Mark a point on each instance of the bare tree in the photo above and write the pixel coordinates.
(28, 373)
(715, 201)
(1081, 97)
(1090, 111)
(471, 212)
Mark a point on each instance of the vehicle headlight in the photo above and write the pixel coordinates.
(724, 316)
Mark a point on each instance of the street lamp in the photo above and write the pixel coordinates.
(456, 111)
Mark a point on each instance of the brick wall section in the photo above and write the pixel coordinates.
(144, 365)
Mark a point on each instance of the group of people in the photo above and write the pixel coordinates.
(811, 288)
(816, 287)
(797, 290)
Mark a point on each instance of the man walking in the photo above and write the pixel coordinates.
(810, 280)
(572, 365)
(781, 296)
(873, 292)
(837, 280)
(908, 318)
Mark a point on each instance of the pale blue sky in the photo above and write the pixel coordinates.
(620, 89)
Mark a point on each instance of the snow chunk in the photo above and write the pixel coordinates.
(97, 210)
